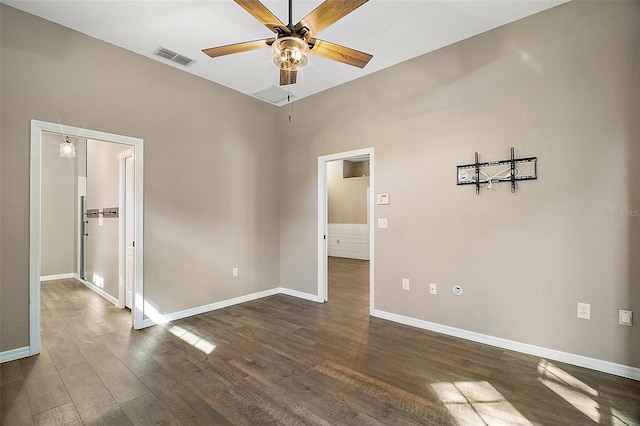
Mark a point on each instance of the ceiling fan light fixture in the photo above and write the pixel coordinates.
(290, 53)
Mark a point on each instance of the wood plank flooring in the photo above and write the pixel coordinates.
(281, 360)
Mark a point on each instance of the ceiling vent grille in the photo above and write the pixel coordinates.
(173, 56)
(273, 94)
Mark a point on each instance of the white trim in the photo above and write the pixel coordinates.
(213, 306)
(13, 354)
(122, 254)
(569, 358)
(35, 192)
(100, 291)
(301, 295)
(230, 302)
(322, 229)
(35, 202)
(323, 218)
(82, 192)
(58, 277)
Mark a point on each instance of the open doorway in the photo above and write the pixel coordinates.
(39, 130)
(353, 239)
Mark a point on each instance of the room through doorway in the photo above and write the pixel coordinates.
(347, 227)
(97, 192)
(89, 204)
(345, 243)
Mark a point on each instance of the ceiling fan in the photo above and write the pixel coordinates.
(293, 43)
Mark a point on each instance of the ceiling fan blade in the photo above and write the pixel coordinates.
(238, 47)
(339, 53)
(264, 15)
(288, 77)
(327, 13)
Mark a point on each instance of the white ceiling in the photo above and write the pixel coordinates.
(392, 31)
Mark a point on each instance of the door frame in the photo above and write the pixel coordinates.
(35, 219)
(323, 218)
(122, 232)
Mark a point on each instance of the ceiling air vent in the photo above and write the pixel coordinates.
(173, 56)
(273, 94)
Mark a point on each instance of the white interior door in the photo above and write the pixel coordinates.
(129, 230)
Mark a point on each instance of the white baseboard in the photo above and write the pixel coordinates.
(57, 277)
(13, 354)
(148, 322)
(301, 295)
(101, 292)
(569, 358)
(213, 306)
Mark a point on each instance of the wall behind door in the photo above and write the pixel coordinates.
(347, 229)
(102, 192)
(58, 209)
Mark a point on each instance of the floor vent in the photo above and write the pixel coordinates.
(273, 94)
(173, 56)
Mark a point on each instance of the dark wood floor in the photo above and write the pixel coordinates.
(280, 360)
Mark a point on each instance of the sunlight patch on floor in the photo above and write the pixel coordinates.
(477, 403)
(194, 340)
(151, 312)
(575, 392)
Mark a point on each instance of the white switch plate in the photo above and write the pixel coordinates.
(433, 288)
(584, 310)
(405, 283)
(382, 222)
(235, 272)
(625, 317)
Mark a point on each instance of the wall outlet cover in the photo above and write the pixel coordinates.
(625, 317)
(584, 310)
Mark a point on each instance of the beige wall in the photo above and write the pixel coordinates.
(211, 171)
(347, 198)
(561, 85)
(103, 191)
(58, 206)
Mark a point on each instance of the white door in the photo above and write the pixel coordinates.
(129, 231)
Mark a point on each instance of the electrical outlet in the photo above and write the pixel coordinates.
(584, 310)
(433, 288)
(405, 283)
(234, 272)
(625, 317)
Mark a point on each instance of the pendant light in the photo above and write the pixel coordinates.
(67, 149)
